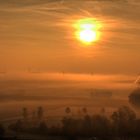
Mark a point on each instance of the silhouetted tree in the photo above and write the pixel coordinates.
(70, 128)
(40, 113)
(25, 114)
(136, 132)
(123, 121)
(85, 111)
(103, 111)
(33, 115)
(43, 127)
(101, 126)
(87, 125)
(68, 110)
(134, 98)
(18, 126)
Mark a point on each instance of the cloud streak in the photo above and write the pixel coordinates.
(40, 29)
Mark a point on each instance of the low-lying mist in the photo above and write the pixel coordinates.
(59, 90)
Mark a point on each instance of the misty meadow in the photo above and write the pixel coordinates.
(69, 69)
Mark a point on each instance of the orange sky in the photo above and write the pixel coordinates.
(37, 35)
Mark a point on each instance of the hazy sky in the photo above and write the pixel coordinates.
(38, 35)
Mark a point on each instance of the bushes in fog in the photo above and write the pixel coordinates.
(96, 125)
(134, 98)
(122, 122)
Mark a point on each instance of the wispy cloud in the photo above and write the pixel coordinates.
(46, 24)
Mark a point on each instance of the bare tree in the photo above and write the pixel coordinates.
(40, 113)
(103, 111)
(84, 110)
(25, 114)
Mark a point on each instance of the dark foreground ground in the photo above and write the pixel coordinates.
(33, 137)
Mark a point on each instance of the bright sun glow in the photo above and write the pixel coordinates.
(87, 36)
(87, 30)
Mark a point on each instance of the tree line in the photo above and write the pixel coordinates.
(121, 123)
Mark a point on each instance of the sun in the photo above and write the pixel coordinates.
(87, 36)
(87, 30)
